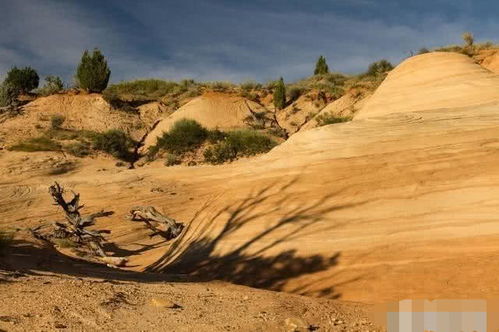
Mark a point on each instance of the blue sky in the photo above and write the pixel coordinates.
(231, 39)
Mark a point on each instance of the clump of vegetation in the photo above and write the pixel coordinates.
(423, 50)
(172, 159)
(53, 84)
(116, 143)
(238, 144)
(8, 95)
(294, 93)
(379, 68)
(92, 74)
(41, 143)
(321, 66)
(250, 85)
(185, 135)
(56, 121)
(328, 118)
(22, 80)
(144, 90)
(280, 94)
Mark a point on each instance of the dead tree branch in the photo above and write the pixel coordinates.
(75, 227)
(153, 219)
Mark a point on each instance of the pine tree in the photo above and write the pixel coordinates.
(321, 66)
(93, 73)
(280, 94)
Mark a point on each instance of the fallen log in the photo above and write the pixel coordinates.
(75, 226)
(152, 218)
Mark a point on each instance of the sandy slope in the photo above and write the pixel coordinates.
(85, 111)
(212, 110)
(432, 81)
(395, 204)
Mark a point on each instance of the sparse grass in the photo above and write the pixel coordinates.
(142, 90)
(78, 149)
(239, 143)
(327, 119)
(41, 143)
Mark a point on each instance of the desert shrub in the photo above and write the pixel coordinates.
(114, 142)
(92, 73)
(279, 94)
(321, 66)
(8, 95)
(53, 84)
(215, 136)
(328, 118)
(78, 149)
(185, 135)
(237, 144)
(41, 143)
(380, 67)
(468, 39)
(56, 121)
(172, 159)
(423, 50)
(250, 85)
(220, 86)
(22, 80)
(278, 132)
(294, 93)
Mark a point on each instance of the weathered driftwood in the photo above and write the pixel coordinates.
(75, 227)
(152, 219)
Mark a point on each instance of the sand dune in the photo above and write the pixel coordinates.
(433, 81)
(212, 110)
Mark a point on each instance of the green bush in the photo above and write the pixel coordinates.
(172, 159)
(280, 94)
(53, 84)
(37, 144)
(185, 135)
(22, 80)
(328, 118)
(237, 144)
(294, 93)
(321, 66)
(92, 74)
(116, 143)
(8, 95)
(57, 120)
(380, 67)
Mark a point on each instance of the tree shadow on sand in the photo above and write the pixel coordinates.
(256, 261)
